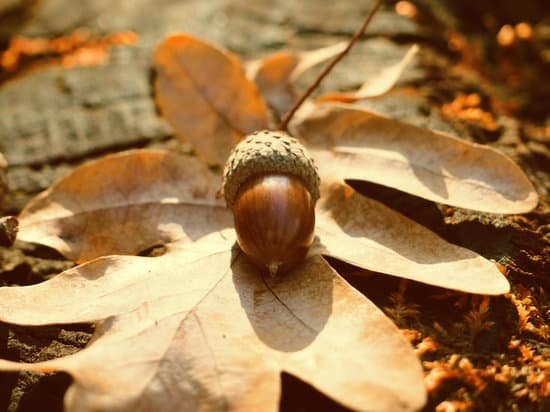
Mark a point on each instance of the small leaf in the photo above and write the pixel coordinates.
(376, 85)
(349, 142)
(275, 73)
(199, 328)
(126, 203)
(365, 233)
(311, 58)
(203, 93)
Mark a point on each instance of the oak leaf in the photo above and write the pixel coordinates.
(350, 142)
(275, 73)
(198, 327)
(377, 85)
(215, 336)
(124, 204)
(204, 94)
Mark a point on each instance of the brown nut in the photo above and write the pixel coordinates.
(272, 185)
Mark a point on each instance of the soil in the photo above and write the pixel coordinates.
(473, 78)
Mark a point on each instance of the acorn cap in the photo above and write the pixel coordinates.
(264, 152)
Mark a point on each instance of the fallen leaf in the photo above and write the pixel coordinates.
(134, 200)
(367, 234)
(199, 329)
(125, 203)
(377, 85)
(204, 94)
(272, 76)
(349, 142)
(275, 73)
(311, 58)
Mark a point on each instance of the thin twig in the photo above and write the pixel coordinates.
(288, 116)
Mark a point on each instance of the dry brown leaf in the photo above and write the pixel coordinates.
(128, 202)
(203, 93)
(271, 74)
(376, 85)
(199, 329)
(275, 73)
(349, 142)
(311, 58)
(125, 203)
(382, 240)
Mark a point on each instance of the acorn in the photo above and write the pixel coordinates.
(271, 185)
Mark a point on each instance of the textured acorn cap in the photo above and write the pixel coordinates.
(264, 152)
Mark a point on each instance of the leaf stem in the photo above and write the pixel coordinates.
(288, 116)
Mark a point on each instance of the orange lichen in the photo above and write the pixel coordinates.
(406, 9)
(466, 107)
(454, 406)
(528, 381)
(411, 335)
(530, 320)
(80, 48)
(524, 31)
(437, 376)
(456, 41)
(469, 49)
(427, 345)
(474, 377)
(506, 36)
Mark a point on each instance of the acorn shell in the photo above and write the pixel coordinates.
(266, 152)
